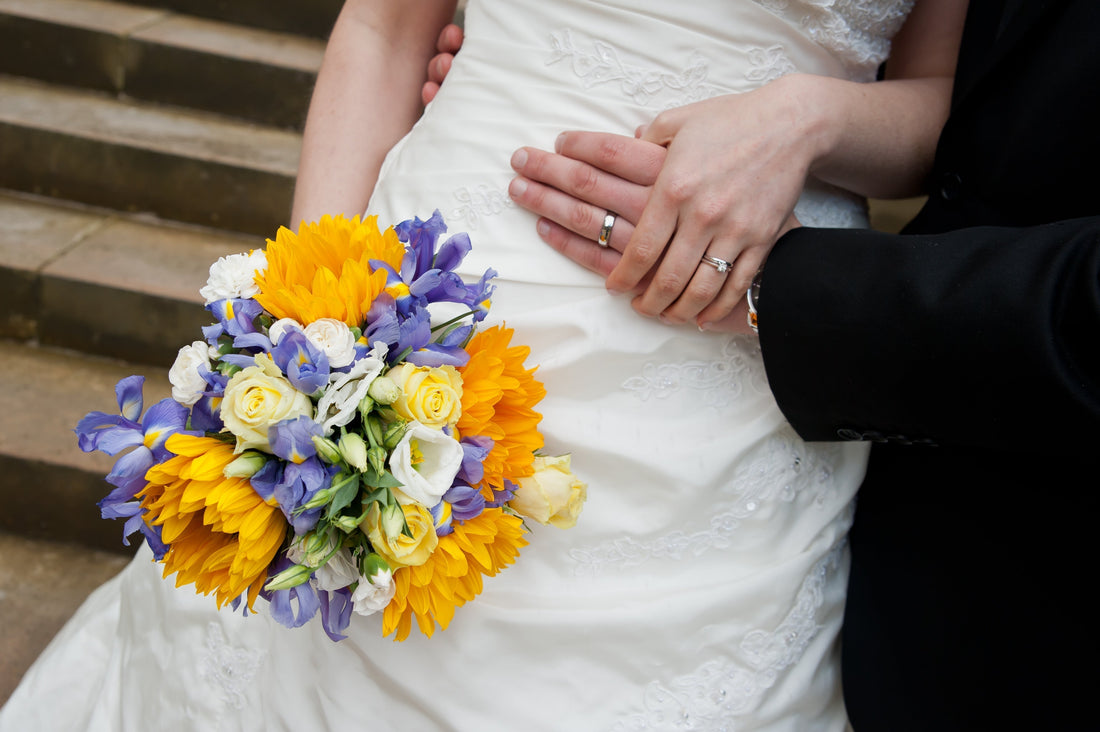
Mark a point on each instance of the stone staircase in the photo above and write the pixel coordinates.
(138, 143)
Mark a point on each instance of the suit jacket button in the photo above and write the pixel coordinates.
(951, 185)
(848, 434)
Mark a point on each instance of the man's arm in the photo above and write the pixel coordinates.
(984, 336)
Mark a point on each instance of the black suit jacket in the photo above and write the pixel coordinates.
(968, 348)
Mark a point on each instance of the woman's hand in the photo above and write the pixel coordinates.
(572, 193)
(447, 45)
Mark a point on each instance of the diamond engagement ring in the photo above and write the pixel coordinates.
(605, 231)
(719, 264)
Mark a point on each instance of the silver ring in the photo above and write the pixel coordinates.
(605, 231)
(719, 264)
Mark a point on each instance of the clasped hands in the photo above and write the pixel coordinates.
(718, 178)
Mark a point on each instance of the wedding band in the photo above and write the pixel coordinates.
(605, 230)
(719, 264)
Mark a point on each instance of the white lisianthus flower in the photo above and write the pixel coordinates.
(340, 402)
(373, 593)
(426, 462)
(333, 337)
(234, 276)
(188, 385)
(279, 328)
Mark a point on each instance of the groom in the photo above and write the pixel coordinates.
(968, 350)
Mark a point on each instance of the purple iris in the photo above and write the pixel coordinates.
(474, 451)
(336, 609)
(235, 318)
(292, 485)
(292, 439)
(112, 433)
(305, 365)
(502, 496)
(466, 502)
(283, 602)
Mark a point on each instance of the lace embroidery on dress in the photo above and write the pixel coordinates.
(780, 469)
(646, 87)
(481, 200)
(229, 670)
(722, 690)
(857, 32)
(768, 64)
(720, 381)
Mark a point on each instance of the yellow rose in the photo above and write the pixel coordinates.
(256, 398)
(395, 547)
(430, 396)
(553, 495)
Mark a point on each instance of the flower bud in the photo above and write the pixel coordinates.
(327, 449)
(319, 500)
(374, 426)
(248, 464)
(383, 390)
(347, 524)
(354, 450)
(315, 547)
(372, 565)
(377, 457)
(393, 434)
(366, 406)
(292, 576)
(393, 520)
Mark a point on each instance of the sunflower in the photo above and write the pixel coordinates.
(498, 400)
(324, 270)
(221, 534)
(452, 575)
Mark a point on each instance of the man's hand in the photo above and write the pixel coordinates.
(450, 40)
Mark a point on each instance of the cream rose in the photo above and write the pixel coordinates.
(256, 398)
(394, 546)
(426, 462)
(185, 375)
(334, 338)
(553, 495)
(429, 395)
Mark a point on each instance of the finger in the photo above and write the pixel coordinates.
(733, 292)
(663, 127)
(439, 67)
(450, 39)
(428, 92)
(735, 322)
(636, 161)
(579, 217)
(584, 252)
(582, 182)
(706, 286)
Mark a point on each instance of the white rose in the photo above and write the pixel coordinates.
(374, 593)
(426, 462)
(234, 276)
(280, 327)
(333, 337)
(340, 402)
(188, 385)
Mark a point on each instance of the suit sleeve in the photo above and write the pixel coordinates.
(983, 337)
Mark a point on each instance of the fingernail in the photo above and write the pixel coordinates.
(559, 142)
(519, 158)
(613, 291)
(704, 327)
(543, 228)
(517, 187)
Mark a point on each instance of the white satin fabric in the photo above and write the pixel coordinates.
(703, 586)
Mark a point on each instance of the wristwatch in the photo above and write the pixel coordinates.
(753, 299)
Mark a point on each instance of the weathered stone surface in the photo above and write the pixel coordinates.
(313, 18)
(134, 157)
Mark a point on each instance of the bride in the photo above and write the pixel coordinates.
(703, 585)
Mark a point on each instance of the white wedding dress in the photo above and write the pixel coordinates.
(702, 588)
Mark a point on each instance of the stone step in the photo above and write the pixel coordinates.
(311, 17)
(139, 157)
(158, 55)
(42, 583)
(102, 283)
(48, 486)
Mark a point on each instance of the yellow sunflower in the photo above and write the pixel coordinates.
(323, 271)
(498, 400)
(222, 535)
(452, 575)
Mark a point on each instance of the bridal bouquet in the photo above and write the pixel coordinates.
(344, 439)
